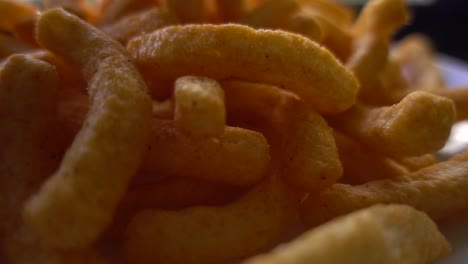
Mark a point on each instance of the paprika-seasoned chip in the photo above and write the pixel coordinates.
(381, 17)
(308, 155)
(15, 12)
(74, 206)
(238, 156)
(139, 23)
(336, 13)
(368, 59)
(419, 124)
(379, 234)
(287, 60)
(212, 234)
(439, 190)
(361, 164)
(171, 193)
(304, 24)
(28, 91)
(418, 162)
(111, 10)
(199, 107)
(270, 14)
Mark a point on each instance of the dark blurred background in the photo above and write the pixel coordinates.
(445, 22)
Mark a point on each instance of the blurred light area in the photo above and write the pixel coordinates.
(411, 2)
(455, 73)
(457, 142)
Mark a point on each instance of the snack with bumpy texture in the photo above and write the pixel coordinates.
(280, 58)
(384, 234)
(76, 204)
(212, 234)
(429, 190)
(199, 106)
(418, 124)
(308, 155)
(238, 156)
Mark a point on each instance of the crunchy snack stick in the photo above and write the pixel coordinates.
(381, 17)
(439, 190)
(76, 204)
(308, 155)
(361, 164)
(27, 157)
(270, 14)
(112, 10)
(384, 234)
(238, 156)
(419, 124)
(212, 234)
(276, 57)
(15, 12)
(139, 23)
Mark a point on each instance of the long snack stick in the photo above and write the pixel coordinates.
(383, 17)
(270, 14)
(138, 23)
(96, 169)
(276, 57)
(27, 157)
(113, 10)
(336, 13)
(304, 24)
(171, 193)
(368, 59)
(439, 190)
(208, 234)
(14, 12)
(308, 155)
(384, 234)
(238, 156)
(419, 124)
(188, 11)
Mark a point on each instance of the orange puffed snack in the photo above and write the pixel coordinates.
(219, 132)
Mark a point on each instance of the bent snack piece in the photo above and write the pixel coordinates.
(238, 156)
(138, 23)
(76, 204)
(276, 57)
(417, 125)
(439, 190)
(199, 106)
(383, 17)
(171, 193)
(385, 234)
(211, 234)
(15, 12)
(360, 164)
(28, 91)
(270, 14)
(308, 155)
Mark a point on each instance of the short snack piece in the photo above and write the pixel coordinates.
(384, 234)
